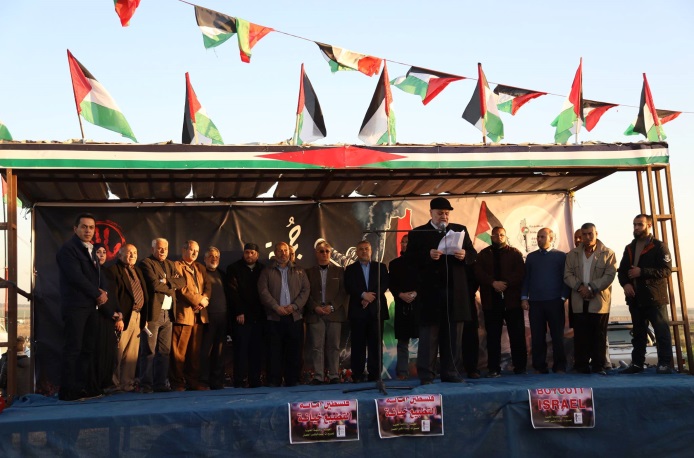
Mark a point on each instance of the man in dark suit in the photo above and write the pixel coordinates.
(162, 281)
(445, 294)
(248, 317)
(366, 281)
(404, 284)
(326, 311)
(80, 295)
(131, 294)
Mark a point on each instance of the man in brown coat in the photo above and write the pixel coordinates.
(190, 315)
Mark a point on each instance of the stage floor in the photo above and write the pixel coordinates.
(635, 415)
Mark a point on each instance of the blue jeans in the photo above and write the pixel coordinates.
(657, 316)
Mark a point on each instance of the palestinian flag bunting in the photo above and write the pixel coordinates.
(570, 119)
(647, 122)
(94, 103)
(4, 132)
(667, 115)
(482, 111)
(125, 9)
(249, 34)
(425, 83)
(485, 223)
(593, 111)
(198, 129)
(310, 125)
(216, 27)
(343, 59)
(512, 98)
(378, 127)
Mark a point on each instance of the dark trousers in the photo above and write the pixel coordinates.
(248, 352)
(471, 345)
(657, 316)
(515, 325)
(213, 339)
(79, 352)
(445, 340)
(544, 314)
(590, 332)
(285, 337)
(364, 333)
(155, 352)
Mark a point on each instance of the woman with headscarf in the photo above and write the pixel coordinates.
(109, 327)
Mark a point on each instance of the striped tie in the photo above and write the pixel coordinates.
(137, 288)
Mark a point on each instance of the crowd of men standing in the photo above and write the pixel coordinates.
(161, 325)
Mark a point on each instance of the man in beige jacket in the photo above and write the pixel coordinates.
(589, 272)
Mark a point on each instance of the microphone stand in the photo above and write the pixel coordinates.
(380, 385)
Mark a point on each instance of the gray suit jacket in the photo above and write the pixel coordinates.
(335, 294)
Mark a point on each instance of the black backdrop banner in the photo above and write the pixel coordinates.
(226, 227)
(229, 227)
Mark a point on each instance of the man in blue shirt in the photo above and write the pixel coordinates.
(544, 293)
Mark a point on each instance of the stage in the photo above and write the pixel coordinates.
(635, 415)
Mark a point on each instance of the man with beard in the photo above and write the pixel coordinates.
(215, 333)
(248, 317)
(643, 273)
(589, 271)
(446, 299)
(80, 297)
(499, 271)
(284, 290)
(191, 316)
(162, 282)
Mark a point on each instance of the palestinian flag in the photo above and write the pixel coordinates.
(93, 101)
(512, 98)
(216, 27)
(482, 111)
(249, 35)
(667, 115)
(310, 125)
(125, 9)
(4, 132)
(648, 122)
(570, 119)
(198, 129)
(593, 111)
(486, 222)
(425, 83)
(343, 59)
(378, 127)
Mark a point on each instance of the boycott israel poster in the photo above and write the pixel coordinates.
(419, 415)
(323, 421)
(562, 408)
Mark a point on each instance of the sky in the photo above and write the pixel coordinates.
(531, 44)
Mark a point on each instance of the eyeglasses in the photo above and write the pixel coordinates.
(324, 251)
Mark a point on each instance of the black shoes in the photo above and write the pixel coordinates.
(493, 374)
(632, 369)
(452, 379)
